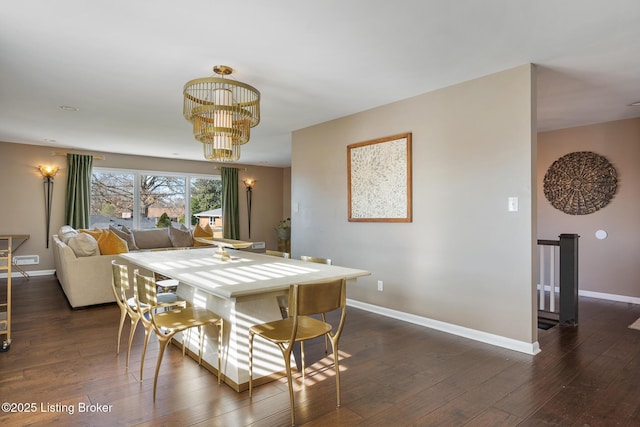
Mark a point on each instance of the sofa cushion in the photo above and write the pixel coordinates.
(65, 233)
(84, 244)
(126, 236)
(110, 244)
(205, 232)
(180, 237)
(152, 238)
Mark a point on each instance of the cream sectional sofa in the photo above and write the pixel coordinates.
(85, 276)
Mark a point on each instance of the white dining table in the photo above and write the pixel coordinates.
(244, 291)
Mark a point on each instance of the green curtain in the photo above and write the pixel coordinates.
(230, 214)
(78, 200)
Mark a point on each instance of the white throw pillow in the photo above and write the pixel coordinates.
(84, 244)
(65, 233)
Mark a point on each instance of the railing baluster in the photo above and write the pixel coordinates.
(552, 278)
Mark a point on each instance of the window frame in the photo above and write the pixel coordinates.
(137, 174)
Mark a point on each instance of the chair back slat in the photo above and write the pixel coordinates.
(318, 298)
(317, 260)
(278, 254)
(120, 282)
(146, 286)
(120, 276)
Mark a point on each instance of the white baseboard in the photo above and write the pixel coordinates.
(508, 343)
(599, 295)
(609, 297)
(523, 347)
(35, 273)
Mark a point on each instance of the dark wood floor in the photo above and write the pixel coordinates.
(393, 374)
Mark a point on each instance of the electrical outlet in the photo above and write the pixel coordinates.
(380, 286)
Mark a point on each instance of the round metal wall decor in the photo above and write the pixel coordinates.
(580, 183)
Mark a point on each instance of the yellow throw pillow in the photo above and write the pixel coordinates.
(110, 244)
(205, 232)
(96, 233)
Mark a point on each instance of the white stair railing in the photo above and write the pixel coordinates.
(558, 279)
(548, 273)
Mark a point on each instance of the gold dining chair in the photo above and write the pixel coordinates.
(306, 300)
(315, 259)
(319, 260)
(278, 254)
(167, 323)
(120, 287)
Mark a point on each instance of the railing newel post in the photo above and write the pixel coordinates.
(569, 279)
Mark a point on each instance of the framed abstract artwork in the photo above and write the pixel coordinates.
(379, 180)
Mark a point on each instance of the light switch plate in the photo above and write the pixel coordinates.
(513, 204)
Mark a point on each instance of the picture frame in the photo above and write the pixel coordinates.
(379, 180)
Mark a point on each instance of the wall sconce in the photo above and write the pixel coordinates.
(248, 185)
(48, 172)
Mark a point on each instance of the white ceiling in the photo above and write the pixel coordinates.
(123, 63)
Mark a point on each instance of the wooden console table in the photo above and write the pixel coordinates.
(5, 315)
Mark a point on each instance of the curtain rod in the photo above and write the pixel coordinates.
(232, 167)
(62, 153)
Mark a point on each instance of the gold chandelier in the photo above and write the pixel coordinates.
(222, 112)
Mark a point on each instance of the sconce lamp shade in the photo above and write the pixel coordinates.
(249, 183)
(48, 171)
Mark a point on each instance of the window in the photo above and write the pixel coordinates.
(159, 199)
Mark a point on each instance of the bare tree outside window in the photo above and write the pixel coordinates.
(161, 194)
(113, 198)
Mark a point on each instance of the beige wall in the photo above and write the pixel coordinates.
(610, 266)
(464, 260)
(22, 194)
